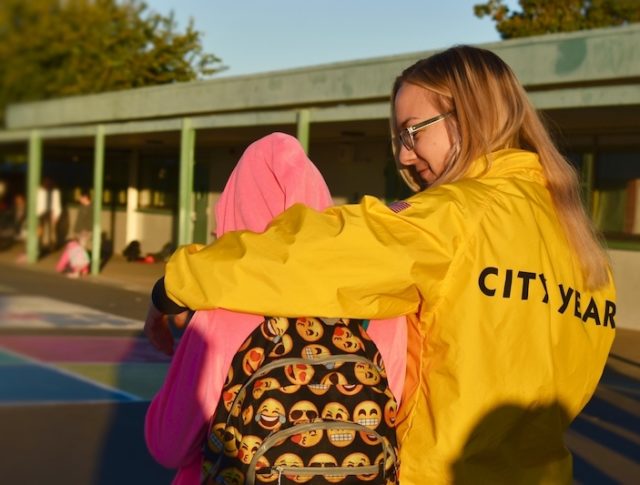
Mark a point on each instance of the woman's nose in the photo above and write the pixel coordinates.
(406, 157)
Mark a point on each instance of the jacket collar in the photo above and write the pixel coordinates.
(508, 163)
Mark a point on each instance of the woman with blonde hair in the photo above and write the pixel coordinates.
(507, 291)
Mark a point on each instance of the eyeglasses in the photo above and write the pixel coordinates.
(297, 414)
(406, 135)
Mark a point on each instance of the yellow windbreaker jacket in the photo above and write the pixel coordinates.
(506, 345)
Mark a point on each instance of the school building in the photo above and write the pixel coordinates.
(157, 158)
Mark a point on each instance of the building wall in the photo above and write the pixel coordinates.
(353, 169)
(626, 271)
(156, 228)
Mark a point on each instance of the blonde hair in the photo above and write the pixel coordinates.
(493, 112)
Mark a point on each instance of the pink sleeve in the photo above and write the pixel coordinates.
(176, 421)
(189, 474)
(390, 336)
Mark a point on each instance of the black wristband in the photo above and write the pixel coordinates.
(162, 302)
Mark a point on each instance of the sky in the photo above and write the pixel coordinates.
(253, 36)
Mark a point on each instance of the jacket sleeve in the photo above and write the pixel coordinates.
(359, 261)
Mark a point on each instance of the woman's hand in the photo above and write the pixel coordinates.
(156, 328)
(182, 319)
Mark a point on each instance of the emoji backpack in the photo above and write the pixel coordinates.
(306, 400)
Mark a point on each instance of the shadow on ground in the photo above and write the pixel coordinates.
(81, 444)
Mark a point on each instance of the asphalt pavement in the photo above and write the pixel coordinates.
(76, 375)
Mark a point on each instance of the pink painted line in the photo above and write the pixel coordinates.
(47, 348)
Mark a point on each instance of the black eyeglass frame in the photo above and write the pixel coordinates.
(406, 135)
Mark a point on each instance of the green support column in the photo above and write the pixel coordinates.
(185, 188)
(98, 186)
(303, 121)
(586, 181)
(34, 171)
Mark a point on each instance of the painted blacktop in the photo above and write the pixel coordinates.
(76, 374)
(76, 377)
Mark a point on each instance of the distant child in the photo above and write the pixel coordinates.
(74, 261)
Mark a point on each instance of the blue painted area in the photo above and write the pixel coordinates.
(610, 439)
(11, 359)
(31, 383)
(586, 473)
(622, 383)
(609, 412)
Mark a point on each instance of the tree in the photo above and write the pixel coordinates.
(51, 48)
(548, 16)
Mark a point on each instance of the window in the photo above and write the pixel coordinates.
(158, 184)
(616, 194)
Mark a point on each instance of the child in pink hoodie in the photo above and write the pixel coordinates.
(74, 260)
(273, 174)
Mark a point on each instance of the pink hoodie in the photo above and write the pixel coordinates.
(272, 174)
(74, 258)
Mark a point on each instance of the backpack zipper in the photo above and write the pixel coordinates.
(328, 471)
(289, 361)
(324, 425)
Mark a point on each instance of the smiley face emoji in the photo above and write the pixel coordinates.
(229, 395)
(390, 412)
(308, 438)
(270, 414)
(310, 329)
(231, 440)
(334, 379)
(214, 441)
(358, 459)
(314, 352)
(368, 413)
(265, 477)
(293, 461)
(345, 340)
(252, 360)
(319, 389)
(290, 389)
(349, 389)
(283, 347)
(273, 328)
(341, 437)
(303, 412)
(260, 386)
(335, 411)
(299, 373)
(367, 373)
(323, 460)
(248, 447)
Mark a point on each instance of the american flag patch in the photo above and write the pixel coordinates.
(399, 205)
